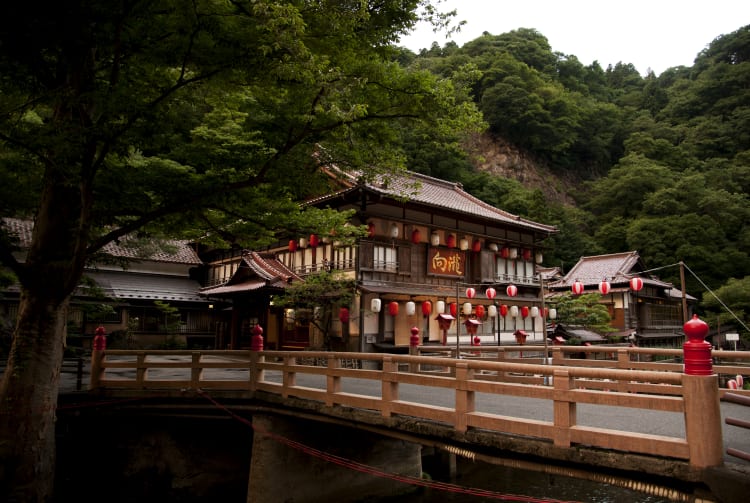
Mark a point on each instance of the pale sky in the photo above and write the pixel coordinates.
(656, 34)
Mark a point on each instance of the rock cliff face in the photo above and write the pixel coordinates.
(501, 158)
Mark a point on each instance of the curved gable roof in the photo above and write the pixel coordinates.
(429, 191)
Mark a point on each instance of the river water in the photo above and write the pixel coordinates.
(479, 482)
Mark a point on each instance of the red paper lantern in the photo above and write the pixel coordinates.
(525, 311)
(577, 288)
(415, 236)
(371, 230)
(512, 290)
(526, 254)
(450, 241)
(505, 252)
(477, 246)
(314, 240)
(490, 293)
(344, 315)
(503, 310)
(454, 309)
(471, 292)
(393, 308)
(479, 311)
(292, 245)
(636, 284)
(604, 287)
(426, 308)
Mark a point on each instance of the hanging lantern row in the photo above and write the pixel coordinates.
(313, 241)
(463, 244)
(466, 309)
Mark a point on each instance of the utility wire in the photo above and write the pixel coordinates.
(716, 297)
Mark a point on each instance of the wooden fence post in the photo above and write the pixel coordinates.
(196, 371)
(564, 408)
(465, 400)
(389, 390)
(703, 420)
(97, 370)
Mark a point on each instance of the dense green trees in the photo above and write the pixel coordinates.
(200, 118)
(659, 164)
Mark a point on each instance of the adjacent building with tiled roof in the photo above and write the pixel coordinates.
(651, 316)
(121, 289)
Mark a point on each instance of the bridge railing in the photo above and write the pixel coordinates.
(396, 385)
(726, 364)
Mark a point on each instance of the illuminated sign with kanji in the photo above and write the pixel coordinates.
(444, 262)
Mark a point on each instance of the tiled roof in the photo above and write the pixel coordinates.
(173, 251)
(134, 286)
(270, 269)
(256, 271)
(427, 190)
(617, 268)
(591, 270)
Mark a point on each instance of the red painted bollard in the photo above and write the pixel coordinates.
(99, 346)
(100, 340)
(696, 350)
(256, 342)
(414, 339)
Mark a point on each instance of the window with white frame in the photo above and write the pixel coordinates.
(385, 258)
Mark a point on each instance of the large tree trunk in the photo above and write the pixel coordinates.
(28, 392)
(29, 400)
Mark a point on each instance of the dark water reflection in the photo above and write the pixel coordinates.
(511, 484)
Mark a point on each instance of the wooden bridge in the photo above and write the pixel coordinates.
(478, 390)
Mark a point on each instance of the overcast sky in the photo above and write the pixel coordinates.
(656, 34)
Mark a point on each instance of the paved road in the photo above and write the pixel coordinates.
(620, 418)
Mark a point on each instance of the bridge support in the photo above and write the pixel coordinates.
(296, 460)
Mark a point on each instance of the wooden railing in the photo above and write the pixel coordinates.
(726, 364)
(695, 399)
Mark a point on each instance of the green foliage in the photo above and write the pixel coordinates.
(583, 311)
(735, 293)
(659, 164)
(321, 293)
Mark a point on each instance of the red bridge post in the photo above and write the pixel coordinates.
(700, 388)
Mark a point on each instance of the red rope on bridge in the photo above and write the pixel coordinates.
(363, 468)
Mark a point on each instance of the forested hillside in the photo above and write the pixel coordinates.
(618, 161)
